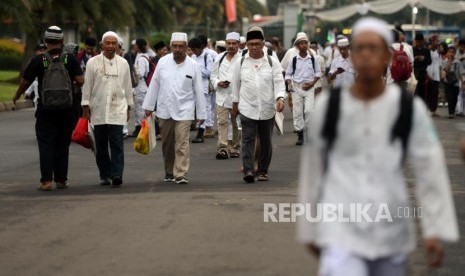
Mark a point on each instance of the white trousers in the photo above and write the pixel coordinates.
(339, 262)
(304, 104)
(210, 106)
(139, 112)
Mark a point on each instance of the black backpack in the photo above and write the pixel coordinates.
(400, 129)
(294, 64)
(57, 89)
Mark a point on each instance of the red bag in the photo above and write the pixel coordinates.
(401, 69)
(81, 134)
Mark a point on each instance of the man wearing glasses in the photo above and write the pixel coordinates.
(106, 101)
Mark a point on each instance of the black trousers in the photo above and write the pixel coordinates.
(420, 90)
(452, 94)
(432, 95)
(250, 130)
(53, 132)
(112, 136)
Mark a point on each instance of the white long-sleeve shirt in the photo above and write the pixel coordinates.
(433, 69)
(365, 167)
(346, 78)
(142, 67)
(205, 63)
(256, 86)
(306, 70)
(107, 90)
(176, 90)
(222, 73)
(290, 54)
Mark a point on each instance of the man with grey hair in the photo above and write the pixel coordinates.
(176, 93)
(106, 101)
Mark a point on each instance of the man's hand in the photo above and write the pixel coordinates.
(223, 84)
(280, 105)
(434, 252)
(308, 85)
(314, 250)
(235, 110)
(129, 115)
(86, 112)
(200, 122)
(16, 98)
(148, 113)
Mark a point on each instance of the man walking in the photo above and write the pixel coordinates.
(421, 60)
(106, 101)
(219, 79)
(142, 67)
(433, 71)
(354, 161)
(302, 73)
(54, 124)
(176, 91)
(342, 71)
(258, 91)
(87, 53)
(204, 60)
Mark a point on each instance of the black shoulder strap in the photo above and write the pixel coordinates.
(270, 61)
(313, 62)
(403, 124)
(244, 52)
(221, 59)
(242, 60)
(270, 51)
(205, 59)
(329, 130)
(294, 64)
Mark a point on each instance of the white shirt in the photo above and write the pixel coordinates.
(364, 167)
(290, 54)
(346, 78)
(107, 90)
(142, 68)
(330, 53)
(222, 73)
(205, 66)
(176, 90)
(304, 70)
(433, 69)
(256, 86)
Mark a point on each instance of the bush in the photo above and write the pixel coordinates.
(11, 55)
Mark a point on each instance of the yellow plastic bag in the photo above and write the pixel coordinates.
(142, 144)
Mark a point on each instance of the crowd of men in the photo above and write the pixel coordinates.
(357, 132)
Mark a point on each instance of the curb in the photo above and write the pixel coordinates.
(9, 106)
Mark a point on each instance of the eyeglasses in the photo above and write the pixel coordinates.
(254, 44)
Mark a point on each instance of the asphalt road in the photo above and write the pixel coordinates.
(213, 226)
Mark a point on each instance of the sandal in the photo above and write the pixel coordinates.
(262, 177)
(222, 154)
(235, 155)
(45, 186)
(249, 177)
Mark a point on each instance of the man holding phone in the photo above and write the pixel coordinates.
(219, 78)
(342, 71)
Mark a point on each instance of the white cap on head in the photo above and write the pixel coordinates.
(221, 43)
(108, 34)
(233, 36)
(120, 41)
(179, 37)
(343, 42)
(242, 39)
(300, 37)
(133, 42)
(375, 25)
(54, 32)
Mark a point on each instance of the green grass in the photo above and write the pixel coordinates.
(7, 91)
(8, 85)
(8, 75)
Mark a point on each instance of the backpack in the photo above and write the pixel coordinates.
(400, 129)
(294, 64)
(401, 69)
(152, 67)
(57, 89)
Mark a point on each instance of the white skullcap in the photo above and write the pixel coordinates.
(300, 37)
(242, 39)
(109, 33)
(221, 43)
(133, 42)
(120, 41)
(343, 42)
(54, 32)
(179, 37)
(233, 36)
(374, 25)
